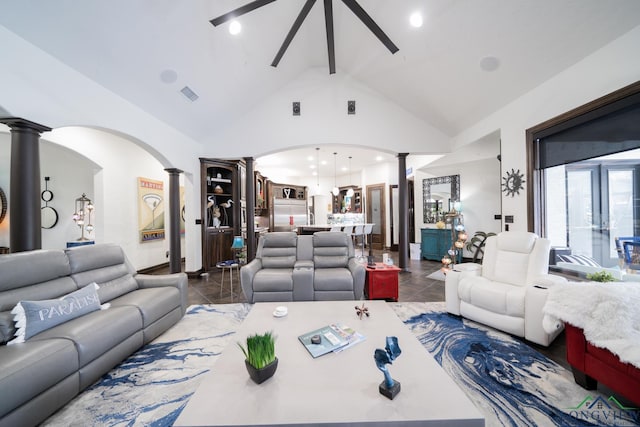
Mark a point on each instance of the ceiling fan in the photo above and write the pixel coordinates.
(328, 17)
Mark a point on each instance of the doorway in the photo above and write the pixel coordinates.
(376, 214)
(394, 207)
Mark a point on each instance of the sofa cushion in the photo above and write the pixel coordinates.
(33, 317)
(96, 333)
(278, 250)
(497, 297)
(117, 287)
(511, 266)
(20, 281)
(105, 265)
(273, 280)
(153, 303)
(330, 250)
(16, 270)
(332, 279)
(34, 366)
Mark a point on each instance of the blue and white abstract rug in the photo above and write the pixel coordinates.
(511, 384)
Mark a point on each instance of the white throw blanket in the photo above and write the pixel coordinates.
(609, 314)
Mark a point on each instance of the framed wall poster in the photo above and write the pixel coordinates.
(150, 209)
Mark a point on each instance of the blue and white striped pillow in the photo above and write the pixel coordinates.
(579, 259)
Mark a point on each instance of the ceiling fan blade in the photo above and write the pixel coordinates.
(292, 32)
(370, 23)
(328, 19)
(239, 11)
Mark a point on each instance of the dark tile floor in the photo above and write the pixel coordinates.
(413, 286)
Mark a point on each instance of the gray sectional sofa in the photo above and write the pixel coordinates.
(43, 373)
(289, 267)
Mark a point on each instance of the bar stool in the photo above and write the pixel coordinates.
(228, 266)
(358, 231)
(368, 228)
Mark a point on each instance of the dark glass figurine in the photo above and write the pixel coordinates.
(389, 387)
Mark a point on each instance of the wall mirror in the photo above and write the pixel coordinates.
(438, 195)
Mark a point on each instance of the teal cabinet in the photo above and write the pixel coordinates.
(435, 243)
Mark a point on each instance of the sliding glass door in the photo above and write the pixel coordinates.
(595, 204)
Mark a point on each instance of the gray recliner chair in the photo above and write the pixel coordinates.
(270, 276)
(337, 275)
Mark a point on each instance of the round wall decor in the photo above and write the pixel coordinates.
(3, 205)
(49, 217)
(512, 182)
(48, 213)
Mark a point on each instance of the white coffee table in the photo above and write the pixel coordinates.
(336, 389)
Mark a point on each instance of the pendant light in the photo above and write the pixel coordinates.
(335, 190)
(350, 191)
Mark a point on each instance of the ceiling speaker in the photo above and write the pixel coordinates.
(296, 108)
(351, 107)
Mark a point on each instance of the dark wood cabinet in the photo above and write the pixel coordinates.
(217, 246)
(262, 194)
(344, 203)
(223, 208)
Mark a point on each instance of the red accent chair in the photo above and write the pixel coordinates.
(591, 364)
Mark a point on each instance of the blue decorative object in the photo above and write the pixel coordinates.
(389, 387)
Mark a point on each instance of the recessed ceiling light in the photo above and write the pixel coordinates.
(416, 19)
(168, 76)
(235, 28)
(378, 158)
(489, 63)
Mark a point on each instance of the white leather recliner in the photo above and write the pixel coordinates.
(509, 289)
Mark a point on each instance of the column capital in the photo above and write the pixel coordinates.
(174, 171)
(16, 123)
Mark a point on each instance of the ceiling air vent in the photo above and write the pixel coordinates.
(191, 95)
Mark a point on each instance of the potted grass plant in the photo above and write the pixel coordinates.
(260, 356)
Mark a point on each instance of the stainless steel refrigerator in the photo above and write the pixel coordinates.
(288, 214)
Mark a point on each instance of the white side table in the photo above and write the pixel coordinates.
(228, 267)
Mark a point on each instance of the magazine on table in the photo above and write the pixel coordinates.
(331, 338)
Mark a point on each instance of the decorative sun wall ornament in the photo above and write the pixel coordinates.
(512, 182)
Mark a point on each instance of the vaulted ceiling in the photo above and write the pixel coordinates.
(146, 51)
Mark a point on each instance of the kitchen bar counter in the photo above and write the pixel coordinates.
(310, 229)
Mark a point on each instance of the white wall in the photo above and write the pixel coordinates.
(608, 69)
(378, 123)
(106, 168)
